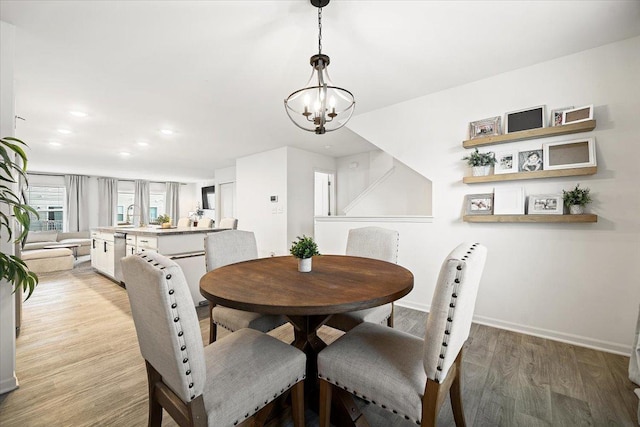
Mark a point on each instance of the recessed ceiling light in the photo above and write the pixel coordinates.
(328, 147)
(78, 113)
(55, 144)
(64, 131)
(166, 131)
(124, 154)
(143, 144)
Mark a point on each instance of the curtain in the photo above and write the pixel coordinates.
(141, 202)
(107, 201)
(77, 202)
(172, 201)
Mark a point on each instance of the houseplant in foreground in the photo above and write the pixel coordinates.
(164, 221)
(480, 162)
(12, 268)
(303, 249)
(576, 199)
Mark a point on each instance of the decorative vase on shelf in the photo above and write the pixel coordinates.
(576, 209)
(166, 225)
(304, 265)
(481, 170)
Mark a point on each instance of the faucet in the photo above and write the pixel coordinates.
(131, 207)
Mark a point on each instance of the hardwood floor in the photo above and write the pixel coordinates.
(78, 364)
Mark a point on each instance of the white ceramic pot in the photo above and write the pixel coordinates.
(576, 209)
(304, 265)
(480, 170)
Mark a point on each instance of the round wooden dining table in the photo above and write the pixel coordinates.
(336, 284)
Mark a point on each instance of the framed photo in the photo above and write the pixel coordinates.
(478, 204)
(529, 118)
(485, 127)
(508, 201)
(545, 204)
(557, 116)
(577, 115)
(506, 162)
(577, 153)
(530, 161)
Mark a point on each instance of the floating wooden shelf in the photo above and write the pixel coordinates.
(592, 170)
(531, 218)
(531, 134)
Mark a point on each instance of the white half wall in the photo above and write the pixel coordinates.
(572, 282)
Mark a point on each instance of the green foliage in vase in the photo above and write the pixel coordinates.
(304, 247)
(12, 268)
(480, 159)
(577, 196)
(161, 219)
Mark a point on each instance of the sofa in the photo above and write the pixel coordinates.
(48, 260)
(40, 239)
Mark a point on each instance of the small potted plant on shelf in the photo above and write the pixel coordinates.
(303, 249)
(576, 199)
(480, 162)
(164, 221)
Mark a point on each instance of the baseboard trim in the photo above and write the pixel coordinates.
(9, 384)
(581, 341)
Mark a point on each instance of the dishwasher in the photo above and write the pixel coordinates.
(193, 266)
(119, 252)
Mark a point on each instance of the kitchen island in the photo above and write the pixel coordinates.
(184, 245)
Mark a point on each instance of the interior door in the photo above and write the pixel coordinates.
(227, 200)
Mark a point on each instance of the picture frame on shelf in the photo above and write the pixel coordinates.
(528, 118)
(508, 201)
(577, 153)
(485, 127)
(478, 204)
(557, 115)
(577, 115)
(545, 204)
(530, 161)
(506, 162)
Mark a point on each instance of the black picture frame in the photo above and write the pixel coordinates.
(208, 197)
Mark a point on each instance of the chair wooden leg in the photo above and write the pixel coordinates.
(430, 405)
(155, 409)
(325, 403)
(455, 394)
(297, 404)
(213, 328)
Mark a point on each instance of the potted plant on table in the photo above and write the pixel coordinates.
(164, 221)
(12, 268)
(480, 162)
(576, 199)
(303, 249)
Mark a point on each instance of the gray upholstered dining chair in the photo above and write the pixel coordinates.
(228, 223)
(227, 247)
(403, 373)
(223, 384)
(369, 242)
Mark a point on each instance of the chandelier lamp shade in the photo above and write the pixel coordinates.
(320, 106)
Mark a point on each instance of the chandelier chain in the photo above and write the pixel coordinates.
(319, 31)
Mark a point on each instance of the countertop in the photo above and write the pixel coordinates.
(155, 231)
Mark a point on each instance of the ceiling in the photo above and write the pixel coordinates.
(217, 72)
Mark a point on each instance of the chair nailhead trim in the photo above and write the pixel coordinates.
(170, 291)
(168, 276)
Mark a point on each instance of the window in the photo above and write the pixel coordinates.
(127, 212)
(49, 203)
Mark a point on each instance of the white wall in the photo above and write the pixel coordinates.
(574, 282)
(8, 379)
(257, 178)
(301, 166)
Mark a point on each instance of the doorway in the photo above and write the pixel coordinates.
(324, 194)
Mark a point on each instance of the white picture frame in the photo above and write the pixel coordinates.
(556, 118)
(508, 201)
(545, 204)
(506, 162)
(525, 119)
(577, 153)
(485, 127)
(577, 115)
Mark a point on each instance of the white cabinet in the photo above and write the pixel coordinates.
(147, 243)
(102, 253)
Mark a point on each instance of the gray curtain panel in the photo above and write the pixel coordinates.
(141, 202)
(107, 201)
(173, 201)
(77, 202)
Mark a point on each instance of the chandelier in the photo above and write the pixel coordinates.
(320, 106)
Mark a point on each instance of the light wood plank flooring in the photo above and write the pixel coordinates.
(78, 364)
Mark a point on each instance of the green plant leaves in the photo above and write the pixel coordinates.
(305, 247)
